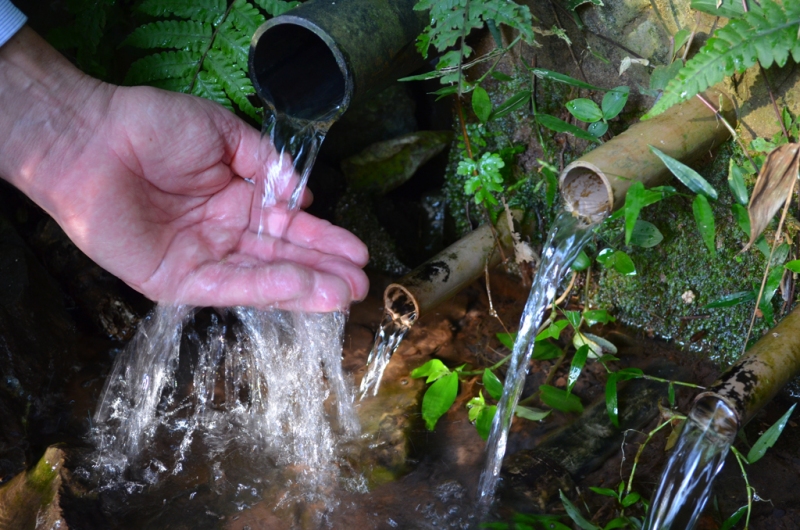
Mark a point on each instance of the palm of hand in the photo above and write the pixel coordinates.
(160, 203)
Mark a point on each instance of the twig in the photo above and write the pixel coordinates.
(774, 105)
(769, 262)
(569, 45)
(567, 290)
(492, 312)
(730, 129)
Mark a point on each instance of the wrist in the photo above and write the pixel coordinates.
(50, 110)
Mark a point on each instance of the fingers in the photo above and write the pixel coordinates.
(280, 285)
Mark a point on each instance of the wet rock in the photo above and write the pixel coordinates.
(389, 114)
(384, 166)
(101, 297)
(31, 499)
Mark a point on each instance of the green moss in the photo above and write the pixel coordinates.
(653, 299)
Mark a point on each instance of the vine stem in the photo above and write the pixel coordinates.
(750, 489)
(639, 452)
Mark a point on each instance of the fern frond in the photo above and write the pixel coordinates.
(179, 34)
(233, 79)
(210, 11)
(205, 86)
(164, 65)
(245, 17)
(767, 34)
(177, 84)
(232, 42)
(276, 7)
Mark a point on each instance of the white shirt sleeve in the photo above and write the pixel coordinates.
(11, 20)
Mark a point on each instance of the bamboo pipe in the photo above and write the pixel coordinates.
(595, 184)
(445, 274)
(762, 371)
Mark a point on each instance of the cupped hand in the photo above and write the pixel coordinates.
(157, 196)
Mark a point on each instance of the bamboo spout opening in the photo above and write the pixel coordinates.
(587, 191)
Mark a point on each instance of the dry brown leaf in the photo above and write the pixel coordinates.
(775, 182)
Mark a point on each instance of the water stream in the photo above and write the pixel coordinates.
(567, 237)
(698, 456)
(264, 384)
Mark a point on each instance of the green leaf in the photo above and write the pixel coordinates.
(576, 366)
(687, 175)
(793, 265)
(630, 499)
(769, 438)
(619, 522)
(604, 491)
(276, 7)
(558, 125)
(704, 217)
(742, 218)
(680, 38)
(736, 183)
(585, 110)
(575, 514)
(574, 318)
(546, 350)
(671, 395)
(206, 86)
(475, 406)
(203, 10)
(662, 75)
(541, 73)
(597, 316)
(581, 263)
(637, 198)
(492, 384)
(767, 34)
(719, 8)
(233, 79)
(532, 414)
(500, 76)
(597, 129)
(612, 404)
(481, 104)
(559, 399)
(433, 370)
(731, 300)
(553, 331)
(232, 42)
(245, 17)
(423, 77)
(731, 521)
(438, 399)
(179, 34)
(484, 422)
(507, 339)
(164, 65)
(645, 234)
(511, 104)
(614, 101)
(618, 260)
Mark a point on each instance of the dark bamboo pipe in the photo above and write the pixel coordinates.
(319, 58)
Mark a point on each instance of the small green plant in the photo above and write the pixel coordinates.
(201, 47)
(767, 34)
(597, 116)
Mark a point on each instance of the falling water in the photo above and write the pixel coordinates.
(568, 235)
(265, 383)
(698, 456)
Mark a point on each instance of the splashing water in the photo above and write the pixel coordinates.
(567, 237)
(264, 383)
(698, 456)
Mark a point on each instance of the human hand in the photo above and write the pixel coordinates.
(150, 184)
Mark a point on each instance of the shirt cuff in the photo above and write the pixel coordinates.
(11, 20)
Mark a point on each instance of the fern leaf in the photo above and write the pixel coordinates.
(245, 17)
(766, 34)
(276, 7)
(233, 79)
(210, 11)
(179, 34)
(232, 42)
(205, 86)
(177, 84)
(164, 65)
